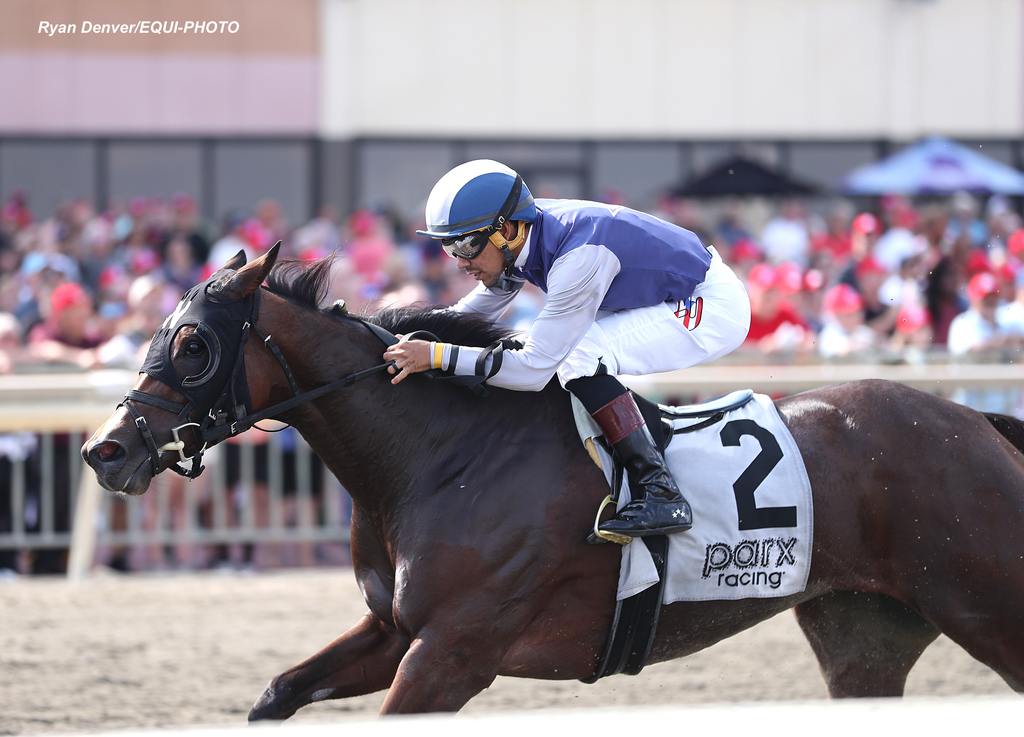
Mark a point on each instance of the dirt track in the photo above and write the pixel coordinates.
(198, 649)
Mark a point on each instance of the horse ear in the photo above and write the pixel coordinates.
(240, 284)
(235, 262)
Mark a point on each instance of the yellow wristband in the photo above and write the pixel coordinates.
(437, 355)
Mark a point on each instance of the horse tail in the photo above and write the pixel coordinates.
(1009, 427)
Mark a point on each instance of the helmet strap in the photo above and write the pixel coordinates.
(510, 248)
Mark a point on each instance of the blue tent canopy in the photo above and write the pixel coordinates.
(935, 166)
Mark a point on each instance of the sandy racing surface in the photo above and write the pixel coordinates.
(145, 651)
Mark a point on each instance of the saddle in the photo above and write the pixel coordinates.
(635, 621)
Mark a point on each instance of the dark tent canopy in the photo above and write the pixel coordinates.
(740, 176)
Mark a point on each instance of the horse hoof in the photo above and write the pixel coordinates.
(270, 705)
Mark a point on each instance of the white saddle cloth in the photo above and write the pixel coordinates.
(752, 509)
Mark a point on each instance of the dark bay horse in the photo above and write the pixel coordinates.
(470, 514)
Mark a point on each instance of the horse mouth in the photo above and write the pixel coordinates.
(135, 484)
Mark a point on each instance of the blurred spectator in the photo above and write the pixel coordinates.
(743, 256)
(231, 242)
(370, 249)
(15, 213)
(983, 330)
(272, 222)
(864, 232)
(785, 237)
(866, 277)
(964, 220)
(943, 299)
(913, 331)
(904, 288)
(69, 330)
(730, 230)
(319, 237)
(1012, 314)
(775, 325)
(10, 342)
(810, 300)
(180, 267)
(983, 327)
(835, 239)
(844, 331)
(185, 224)
(900, 241)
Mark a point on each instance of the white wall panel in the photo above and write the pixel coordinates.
(670, 68)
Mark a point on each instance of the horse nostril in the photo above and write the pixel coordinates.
(107, 451)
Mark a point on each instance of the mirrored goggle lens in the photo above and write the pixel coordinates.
(467, 246)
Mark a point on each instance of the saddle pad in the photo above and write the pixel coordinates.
(752, 510)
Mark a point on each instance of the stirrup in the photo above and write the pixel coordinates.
(602, 535)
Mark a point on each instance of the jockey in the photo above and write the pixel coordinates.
(627, 293)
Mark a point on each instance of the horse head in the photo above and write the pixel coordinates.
(193, 383)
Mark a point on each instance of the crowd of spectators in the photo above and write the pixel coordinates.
(896, 280)
(86, 289)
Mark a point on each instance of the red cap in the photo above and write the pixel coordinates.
(788, 277)
(865, 223)
(912, 318)
(110, 276)
(67, 295)
(1008, 272)
(761, 275)
(363, 223)
(870, 265)
(144, 261)
(813, 280)
(745, 250)
(842, 299)
(1016, 243)
(253, 232)
(982, 285)
(977, 261)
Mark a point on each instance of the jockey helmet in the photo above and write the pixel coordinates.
(473, 201)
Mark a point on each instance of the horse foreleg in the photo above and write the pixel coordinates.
(866, 644)
(361, 661)
(441, 672)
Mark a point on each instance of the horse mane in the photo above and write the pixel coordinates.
(302, 282)
(305, 283)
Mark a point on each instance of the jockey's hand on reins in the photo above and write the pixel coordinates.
(407, 357)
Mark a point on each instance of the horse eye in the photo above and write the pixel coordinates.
(194, 347)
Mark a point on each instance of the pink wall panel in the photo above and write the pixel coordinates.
(158, 94)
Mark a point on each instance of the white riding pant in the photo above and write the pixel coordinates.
(666, 337)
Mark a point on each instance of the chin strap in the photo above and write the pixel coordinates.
(509, 252)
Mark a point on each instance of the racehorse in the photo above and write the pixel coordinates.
(470, 513)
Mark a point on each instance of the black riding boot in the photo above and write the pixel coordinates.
(656, 507)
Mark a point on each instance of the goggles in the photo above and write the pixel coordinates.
(470, 245)
(467, 246)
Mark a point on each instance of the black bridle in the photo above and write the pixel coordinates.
(220, 412)
(229, 414)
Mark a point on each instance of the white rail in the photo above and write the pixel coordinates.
(81, 401)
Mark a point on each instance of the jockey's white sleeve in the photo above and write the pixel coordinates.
(577, 284)
(489, 302)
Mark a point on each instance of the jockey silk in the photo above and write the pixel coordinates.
(660, 262)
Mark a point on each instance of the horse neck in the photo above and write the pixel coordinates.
(369, 434)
